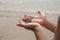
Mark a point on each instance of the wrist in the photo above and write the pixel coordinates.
(37, 29)
(50, 25)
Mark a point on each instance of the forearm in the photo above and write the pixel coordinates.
(40, 35)
(50, 25)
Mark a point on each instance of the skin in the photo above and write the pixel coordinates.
(57, 34)
(37, 22)
(35, 27)
(42, 20)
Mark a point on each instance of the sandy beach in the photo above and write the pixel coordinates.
(9, 13)
(9, 30)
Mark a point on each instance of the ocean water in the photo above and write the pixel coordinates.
(10, 12)
(31, 6)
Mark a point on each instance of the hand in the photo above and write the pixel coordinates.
(41, 19)
(30, 26)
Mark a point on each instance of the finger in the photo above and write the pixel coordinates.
(29, 16)
(30, 24)
(26, 16)
(34, 17)
(21, 21)
(21, 25)
(18, 24)
(24, 25)
(41, 14)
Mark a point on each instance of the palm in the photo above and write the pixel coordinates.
(30, 26)
(39, 19)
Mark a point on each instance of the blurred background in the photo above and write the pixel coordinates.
(10, 10)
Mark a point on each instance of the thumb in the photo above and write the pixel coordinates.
(41, 14)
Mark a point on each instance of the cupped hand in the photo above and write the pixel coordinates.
(30, 26)
(41, 19)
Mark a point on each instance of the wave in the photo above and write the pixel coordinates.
(10, 13)
(30, 6)
(28, 11)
